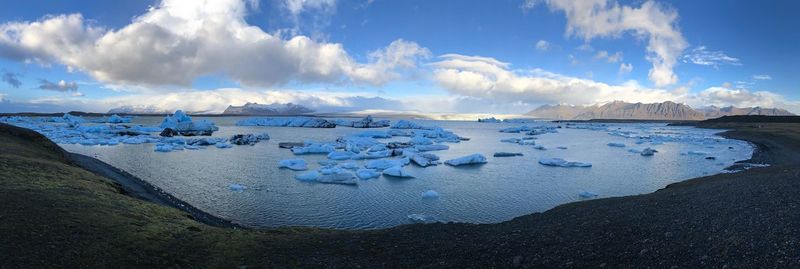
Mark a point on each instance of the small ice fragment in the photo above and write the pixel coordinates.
(237, 187)
(307, 176)
(507, 154)
(561, 147)
(648, 152)
(587, 194)
(396, 171)
(616, 144)
(367, 173)
(294, 164)
(430, 194)
(469, 159)
(223, 145)
(563, 163)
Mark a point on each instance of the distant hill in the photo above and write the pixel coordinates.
(716, 112)
(271, 109)
(640, 111)
(138, 110)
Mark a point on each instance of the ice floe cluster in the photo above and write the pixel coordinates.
(176, 132)
(366, 122)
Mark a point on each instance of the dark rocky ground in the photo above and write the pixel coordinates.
(56, 214)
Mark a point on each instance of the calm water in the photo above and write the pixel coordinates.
(500, 190)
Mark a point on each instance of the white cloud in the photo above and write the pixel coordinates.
(613, 58)
(762, 77)
(295, 7)
(702, 56)
(543, 45)
(488, 78)
(625, 68)
(60, 86)
(651, 21)
(179, 41)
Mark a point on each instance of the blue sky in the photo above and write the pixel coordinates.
(96, 55)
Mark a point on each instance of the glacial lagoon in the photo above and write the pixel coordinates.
(246, 185)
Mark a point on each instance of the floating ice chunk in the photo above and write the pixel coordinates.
(163, 148)
(562, 163)
(206, 141)
(430, 194)
(404, 124)
(384, 164)
(191, 147)
(349, 165)
(236, 187)
(247, 139)
(696, 152)
(287, 122)
(117, 119)
(337, 176)
(507, 154)
(469, 159)
(490, 120)
(135, 140)
(422, 159)
(587, 194)
(515, 129)
(372, 155)
(561, 147)
(616, 144)
(420, 218)
(400, 132)
(397, 171)
(539, 147)
(648, 152)
(314, 148)
(72, 121)
(183, 124)
(510, 140)
(340, 155)
(223, 145)
(367, 173)
(420, 140)
(308, 176)
(294, 164)
(366, 122)
(433, 147)
(327, 163)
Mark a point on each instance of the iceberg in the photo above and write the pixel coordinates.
(507, 154)
(515, 129)
(183, 124)
(367, 173)
(287, 122)
(404, 124)
(314, 148)
(327, 163)
(349, 165)
(396, 171)
(340, 155)
(307, 176)
(432, 147)
(164, 148)
(223, 145)
(469, 159)
(294, 164)
(247, 139)
(117, 119)
(72, 121)
(430, 194)
(616, 144)
(648, 152)
(384, 164)
(366, 122)
(337, 176)
(490, 120)
(422, 159)
(562, 163)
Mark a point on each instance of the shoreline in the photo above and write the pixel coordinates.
(141, 189)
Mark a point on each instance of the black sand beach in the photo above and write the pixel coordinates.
(56, 213)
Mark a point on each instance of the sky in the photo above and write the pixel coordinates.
(504, 57)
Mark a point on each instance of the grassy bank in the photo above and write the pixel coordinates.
(56, 214)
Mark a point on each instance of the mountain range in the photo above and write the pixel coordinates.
(271, 109)
(639, 111)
